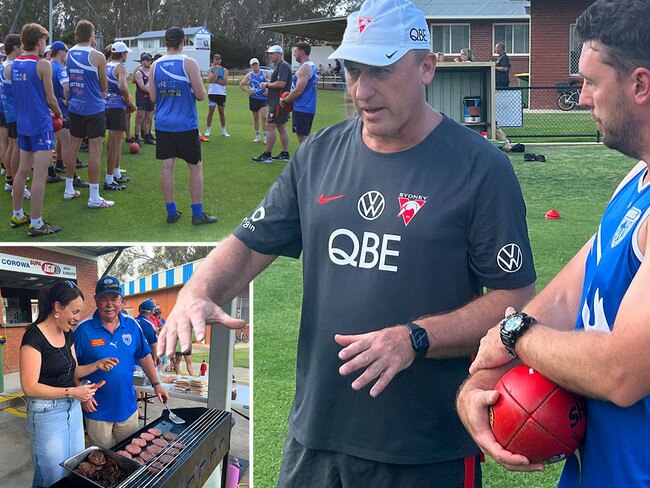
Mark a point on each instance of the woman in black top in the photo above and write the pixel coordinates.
(48, 369)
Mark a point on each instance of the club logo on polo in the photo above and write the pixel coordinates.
(409, 205)
(626, 224)
(371, 205)
(510, 258)
(127, 339)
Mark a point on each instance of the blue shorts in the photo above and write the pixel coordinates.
(302, 123)
(41, 142)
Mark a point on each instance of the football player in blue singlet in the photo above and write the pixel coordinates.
(174, 86)
(257, 102)
(31, 80)
(591, 332)
(11, 156)
(303, 92)
(117, 100)
(87, 118)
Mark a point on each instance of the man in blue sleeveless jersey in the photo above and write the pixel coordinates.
(303, 92)
(590, 329)
(31, 80)
(11, 155)
(113, 416)
(257, 99)
(116, 102)
(88, 85)
(175, 86)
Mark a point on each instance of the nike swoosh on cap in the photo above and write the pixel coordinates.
(391, 55)
(323, 199)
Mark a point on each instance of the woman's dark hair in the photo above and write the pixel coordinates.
(63, 292)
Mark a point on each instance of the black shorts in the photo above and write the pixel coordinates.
(184, 353)
(145, 104)
(116, 119)
(302, 467)
(277, 115)
(184, 145)
(90, 126)
(217, 99)
(3, 120)
(301, 123)
(255, 104)
(12, 130)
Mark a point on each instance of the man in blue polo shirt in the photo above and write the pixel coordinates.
(113, 415)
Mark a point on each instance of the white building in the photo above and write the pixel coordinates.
(196, 46)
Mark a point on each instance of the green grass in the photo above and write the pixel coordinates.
(241, 358)
(577, 181)
(575, 126)
(233, 186)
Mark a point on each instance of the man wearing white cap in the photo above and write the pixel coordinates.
(278, 117)
(117, 100)
(257, 99)
(403, 217)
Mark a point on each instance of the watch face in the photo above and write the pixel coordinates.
(420, 339)
(512, 323)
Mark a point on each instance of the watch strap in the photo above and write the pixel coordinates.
(419, 339)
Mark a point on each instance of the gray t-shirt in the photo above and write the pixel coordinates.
(388, 238)
(281, 72)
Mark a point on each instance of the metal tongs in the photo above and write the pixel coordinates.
(173, 417)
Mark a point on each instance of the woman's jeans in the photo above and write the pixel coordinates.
(56, 432)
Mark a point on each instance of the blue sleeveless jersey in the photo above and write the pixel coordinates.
(254, 84)
(32, 113)
(306, 102)
(8, 94)
(175, 102)
(2, 97)
(86, 97)
(616, 451)
(113, 94)
(59, 78)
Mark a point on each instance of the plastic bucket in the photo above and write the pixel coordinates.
(472, 110)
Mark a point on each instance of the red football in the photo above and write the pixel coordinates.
(134, 148)
(57, 123)
(536, 418)
(287, 106)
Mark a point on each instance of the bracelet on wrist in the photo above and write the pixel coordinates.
(67, 393)
(155, 383)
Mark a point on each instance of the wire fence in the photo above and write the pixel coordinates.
(544, 113)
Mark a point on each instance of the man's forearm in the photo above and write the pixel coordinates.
(459, 332)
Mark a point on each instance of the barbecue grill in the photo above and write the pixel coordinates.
(206, 437)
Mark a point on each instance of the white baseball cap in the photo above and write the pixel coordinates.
(120, 47)
(254, 61)
(47, 49)
(382, 32)
(275, 49)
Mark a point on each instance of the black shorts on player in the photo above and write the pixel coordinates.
(3, 120)
(255, 105)
(301, 123)
(184, 145)
(145, 104)
(12, 130)
(277, 115)
(116, 119)
(90, 126)
(217, 100)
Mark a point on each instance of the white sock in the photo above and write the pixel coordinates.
(69, 187)
(117, 173)
(19, 213)
(257, 134)
(207, 131)
(264, 135)
(108, 179)
(94, 192)
(37, 223)
(223, 130)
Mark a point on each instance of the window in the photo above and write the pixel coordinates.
(449, 39)
(574, 51)
(150, 43)
(514, 36)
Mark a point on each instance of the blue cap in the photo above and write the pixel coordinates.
(59, 46)
(147, 306)
(108, 284)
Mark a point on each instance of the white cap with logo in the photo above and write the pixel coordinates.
(275, 49)
(120, 47)
(254, 61)
(382, 32)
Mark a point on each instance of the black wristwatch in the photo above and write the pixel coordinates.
(512, 328)
(419, 339)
